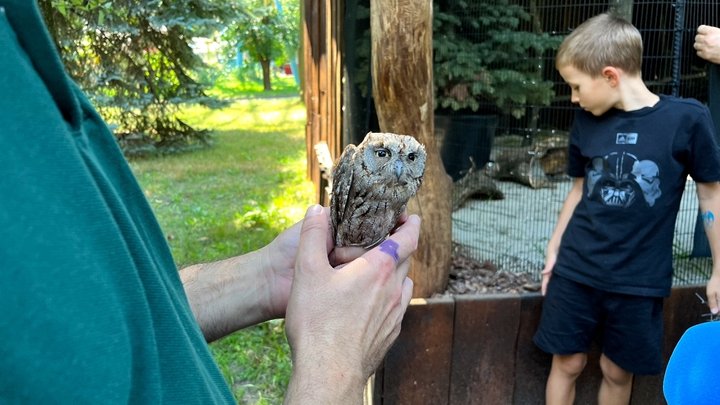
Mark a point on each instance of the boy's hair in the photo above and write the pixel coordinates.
(603, 40)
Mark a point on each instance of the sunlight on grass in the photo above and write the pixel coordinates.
(257, 164)
(231, 86)
(231, 198)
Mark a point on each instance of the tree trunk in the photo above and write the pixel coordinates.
(266, 75)
(403, 92)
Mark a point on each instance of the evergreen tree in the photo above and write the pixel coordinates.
(134, 60)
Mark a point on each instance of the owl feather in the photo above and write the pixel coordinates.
(371, 185)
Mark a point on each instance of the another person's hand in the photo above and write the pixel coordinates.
(279, 258)
(707, 43)
(341, 320)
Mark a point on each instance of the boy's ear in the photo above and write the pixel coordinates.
(611, 74)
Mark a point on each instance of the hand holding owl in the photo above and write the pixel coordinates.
(341, 320)
(371, 185)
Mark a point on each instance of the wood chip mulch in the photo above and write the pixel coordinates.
(469, 276)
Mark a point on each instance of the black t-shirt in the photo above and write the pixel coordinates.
(635, 165)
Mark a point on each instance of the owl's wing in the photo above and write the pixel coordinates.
(342, 180)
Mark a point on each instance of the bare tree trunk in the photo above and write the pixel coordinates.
(403, 93)
(266, 75)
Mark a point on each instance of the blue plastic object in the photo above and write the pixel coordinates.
(692, 376)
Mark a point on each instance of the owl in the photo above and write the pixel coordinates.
(371, 185)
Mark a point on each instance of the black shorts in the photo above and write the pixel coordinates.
(628, 328)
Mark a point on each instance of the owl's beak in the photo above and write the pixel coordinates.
(399, 169)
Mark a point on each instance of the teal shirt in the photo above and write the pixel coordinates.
(91, 306)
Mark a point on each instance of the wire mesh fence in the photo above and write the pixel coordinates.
(523, 148)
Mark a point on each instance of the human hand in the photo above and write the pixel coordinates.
(279, 259)
(713, 293)
(341, 320)
(550, 260)
(707, 43)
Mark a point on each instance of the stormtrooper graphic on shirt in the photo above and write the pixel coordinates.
(620, 178)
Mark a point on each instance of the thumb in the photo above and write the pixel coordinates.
(312, 250)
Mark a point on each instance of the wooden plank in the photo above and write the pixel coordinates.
(335, 135)
(532, 365)
(417, 367)
(311, 47)
(483, 366)
(492, 355)
(647, 389)
(682, 310)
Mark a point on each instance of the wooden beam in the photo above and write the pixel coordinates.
(403, 93)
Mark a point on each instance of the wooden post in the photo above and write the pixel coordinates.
(403, 92)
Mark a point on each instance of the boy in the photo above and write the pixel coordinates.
(610, 255)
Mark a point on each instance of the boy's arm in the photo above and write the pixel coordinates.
(571, 201)
(709, 198)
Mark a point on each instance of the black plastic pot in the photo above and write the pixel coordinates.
(466, 137)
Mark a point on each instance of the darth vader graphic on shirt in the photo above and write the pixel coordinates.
(620, 179)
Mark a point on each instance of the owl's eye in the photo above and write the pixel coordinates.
(382, 153)
(411, 156)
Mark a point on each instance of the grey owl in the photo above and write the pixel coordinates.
(371, 185)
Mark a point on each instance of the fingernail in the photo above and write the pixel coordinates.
(314, 210)
(714, 311)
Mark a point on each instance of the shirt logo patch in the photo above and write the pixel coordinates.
(626, 138)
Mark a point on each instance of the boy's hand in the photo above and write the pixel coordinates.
(550, 259)
(546, 274)
(713, 293)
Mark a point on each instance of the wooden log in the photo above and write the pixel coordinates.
(518, 165)
(530, 165)
(403, 93)
(475, 184)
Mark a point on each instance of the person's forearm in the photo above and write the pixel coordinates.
(709, 201)
(337, 387)
(568, 207)
(229, 294)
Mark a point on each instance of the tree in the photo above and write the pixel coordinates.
(134, 59)
(268, 31)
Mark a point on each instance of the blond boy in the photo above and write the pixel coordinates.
(609, 260)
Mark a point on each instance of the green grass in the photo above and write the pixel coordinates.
(232, 86)
(233, 198)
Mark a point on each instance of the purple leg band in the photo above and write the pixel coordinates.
(390, 247)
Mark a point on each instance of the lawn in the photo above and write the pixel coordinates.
(232, 198)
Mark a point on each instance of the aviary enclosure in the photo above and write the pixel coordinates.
(513, 134)
(513, 232)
